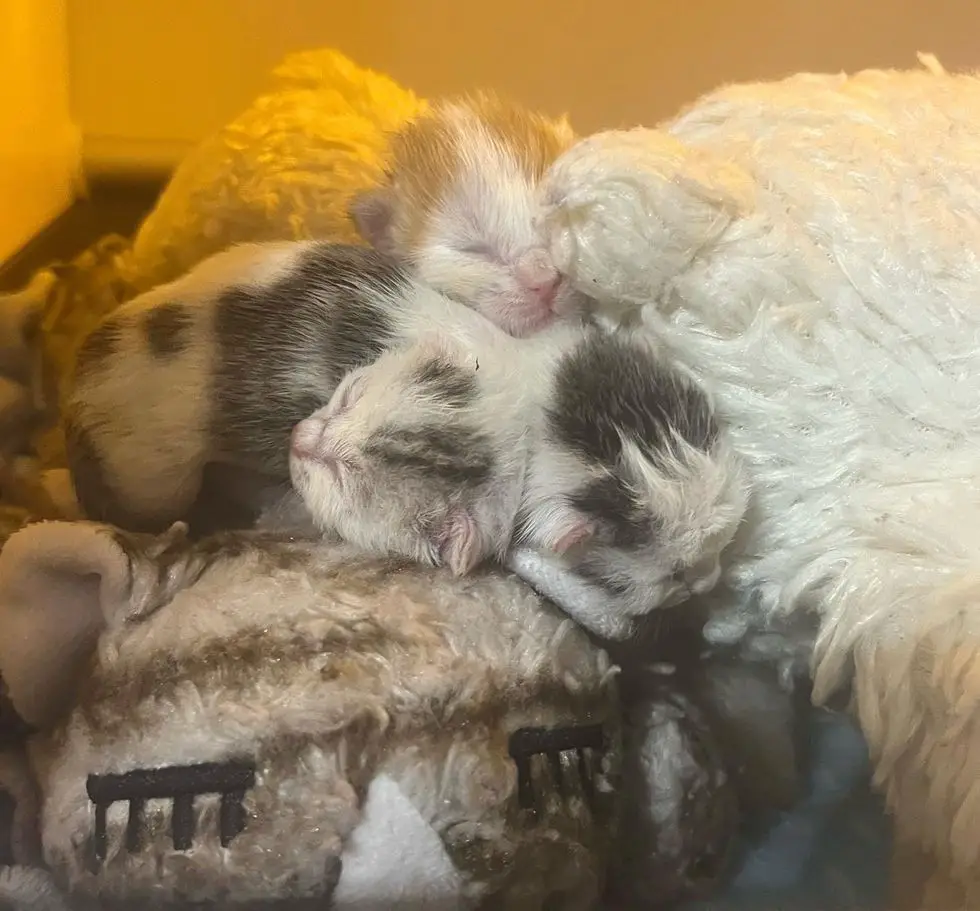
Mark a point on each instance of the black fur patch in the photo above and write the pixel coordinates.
(284, 347)
(447, 383)
(230, 498)
(457, 456)
(13, 729)
(167, 330)
(609, 500)
(87, 473)
(594, 572)
(607, 387)
(100, 345)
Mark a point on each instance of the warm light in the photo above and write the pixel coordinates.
(39, 147)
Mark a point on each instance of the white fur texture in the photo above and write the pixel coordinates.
(395, 466)
(394, 836)
(582, 602)
(480, 245)
(383, 510)
(458, 209)
(809, 249)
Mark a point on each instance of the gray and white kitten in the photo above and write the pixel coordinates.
(577, 456)
(185, 397)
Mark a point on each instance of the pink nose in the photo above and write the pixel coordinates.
(538, 276)
(305, 438)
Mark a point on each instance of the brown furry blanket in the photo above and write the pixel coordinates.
(61, 305)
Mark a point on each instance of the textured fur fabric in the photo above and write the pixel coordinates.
(376, 699)
(284, 169)
(30, 889)
(809, 248)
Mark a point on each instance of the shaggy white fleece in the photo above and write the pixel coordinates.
(810, 249)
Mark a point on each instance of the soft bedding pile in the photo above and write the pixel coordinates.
(286, 168)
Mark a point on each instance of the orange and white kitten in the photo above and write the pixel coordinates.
(458, 209)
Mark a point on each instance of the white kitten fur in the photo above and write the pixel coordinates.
(458, 210)
(373, 501)
(481, 245)
(685, 502)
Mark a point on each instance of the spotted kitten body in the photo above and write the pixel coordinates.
(576, 456)
(202, 380)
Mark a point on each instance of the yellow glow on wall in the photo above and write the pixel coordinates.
(150, 77)
(39, 146)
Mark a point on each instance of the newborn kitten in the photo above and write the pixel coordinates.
(217, 367)
(459, 204)
(577, 445)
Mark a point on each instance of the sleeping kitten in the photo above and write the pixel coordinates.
(459, 204)
(576, 447)
(194, 387)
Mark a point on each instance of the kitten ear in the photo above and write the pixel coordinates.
(565, 529)
(459, 542)
(372, 212)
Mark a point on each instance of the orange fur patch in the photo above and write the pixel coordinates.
(428, 154)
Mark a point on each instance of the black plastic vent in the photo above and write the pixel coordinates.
(581, 740)
(181, 784)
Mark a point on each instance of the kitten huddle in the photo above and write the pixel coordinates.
(576, 444)
(443, 396)
(441, 393)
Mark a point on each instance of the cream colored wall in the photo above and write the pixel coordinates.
(39, 146)
(150, 77)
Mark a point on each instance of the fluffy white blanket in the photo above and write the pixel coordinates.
(810, 248)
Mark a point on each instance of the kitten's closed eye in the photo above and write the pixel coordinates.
(346, 395)
(479, 249)
(349, 395)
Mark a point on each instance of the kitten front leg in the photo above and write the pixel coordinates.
(594, 609)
